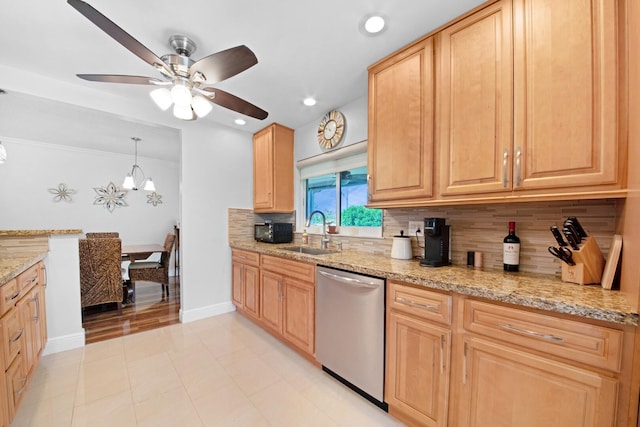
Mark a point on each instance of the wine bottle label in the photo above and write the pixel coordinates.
(511, 253)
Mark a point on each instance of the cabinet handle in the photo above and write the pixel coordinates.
(518, 167)
(532, 333)
(12, 297)
(44, 268)
(17, 337)
(464, 364)
(35, 278)
(417, 304)
(369, 179)
(21, 389)
(36, 299)
(280, 293)
(442, 342)
(505, 157)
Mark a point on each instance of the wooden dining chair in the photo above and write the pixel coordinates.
(154, 271)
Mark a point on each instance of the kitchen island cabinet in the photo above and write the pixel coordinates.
(273, 169)
(400, 146)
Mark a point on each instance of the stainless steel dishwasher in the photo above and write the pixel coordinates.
(350, 330)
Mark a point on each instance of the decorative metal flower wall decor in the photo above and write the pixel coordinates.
(110, 197)
(154, 198)
(62, 193)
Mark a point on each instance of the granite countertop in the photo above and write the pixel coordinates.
(18, 233)
(11, 266)
(529, 290)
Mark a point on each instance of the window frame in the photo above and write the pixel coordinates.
(356, 157)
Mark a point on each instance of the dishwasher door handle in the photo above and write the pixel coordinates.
(349, 280)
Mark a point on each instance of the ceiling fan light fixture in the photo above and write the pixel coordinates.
(183, 112)
(201, 106)
(181, 95)
(162, 98)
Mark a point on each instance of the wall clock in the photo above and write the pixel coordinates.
(331, 129)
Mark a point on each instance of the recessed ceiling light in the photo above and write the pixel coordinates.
(373, 24)
(309, 102)
(240, 122)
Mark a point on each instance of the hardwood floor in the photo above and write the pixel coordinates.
(151, 310)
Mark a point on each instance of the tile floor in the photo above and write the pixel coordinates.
(220, 371)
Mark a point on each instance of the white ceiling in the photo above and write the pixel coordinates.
(304, 48)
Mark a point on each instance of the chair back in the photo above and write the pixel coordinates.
(100, 270)
(168, 247)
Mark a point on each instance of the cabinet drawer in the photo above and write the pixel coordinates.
(245, 257)
(581, 342)
(296, 269)
(420, 302)
(9, 294)
(12, 335)
(28, 278)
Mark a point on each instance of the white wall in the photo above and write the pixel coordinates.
(33, 167)
(217, 165)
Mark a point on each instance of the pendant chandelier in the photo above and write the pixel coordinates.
(136, 179)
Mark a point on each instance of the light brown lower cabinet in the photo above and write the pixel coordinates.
(456, 361)
(505, 387)
(245, 288)
(287, 300)
(23, 335)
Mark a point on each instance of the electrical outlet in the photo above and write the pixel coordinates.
(413, 226)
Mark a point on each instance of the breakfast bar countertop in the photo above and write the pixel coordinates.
(524, 289)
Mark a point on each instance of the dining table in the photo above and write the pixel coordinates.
(140, 252)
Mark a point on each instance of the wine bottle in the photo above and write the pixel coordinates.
(511, 249)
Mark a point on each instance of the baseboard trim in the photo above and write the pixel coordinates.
(64, 343)
(187, 316)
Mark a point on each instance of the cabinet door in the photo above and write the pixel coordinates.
(417, 378)
(565, 90)
(474, 117)
(505, 387)
(41, 320)
(271, 300)
(263, 173)
(29, 313)
(237, 284)
(16, 377)
(251, 292)
(400, 150)
(299, 314)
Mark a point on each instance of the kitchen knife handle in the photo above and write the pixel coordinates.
(505, 157)
(518, 166)
(578, 226)
(558, 236)
(570, 239)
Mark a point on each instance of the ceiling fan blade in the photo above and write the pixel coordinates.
(119, 35)
(232, 102)
(113, 78)
(224, 64)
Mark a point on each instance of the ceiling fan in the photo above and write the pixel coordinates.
(185, 82)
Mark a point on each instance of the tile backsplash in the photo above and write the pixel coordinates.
(473, 228)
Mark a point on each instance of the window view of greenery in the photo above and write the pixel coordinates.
(351, 185)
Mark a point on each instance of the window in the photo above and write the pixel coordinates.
(339, 188)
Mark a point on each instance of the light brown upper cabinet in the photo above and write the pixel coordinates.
(273, 169)
(566, 93)
(474, 114)
(400, 147)
(562, 137)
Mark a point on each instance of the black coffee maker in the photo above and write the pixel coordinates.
(436, 243)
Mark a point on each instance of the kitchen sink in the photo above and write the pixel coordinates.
(308, 250)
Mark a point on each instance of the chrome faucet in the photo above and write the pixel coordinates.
(325, 238)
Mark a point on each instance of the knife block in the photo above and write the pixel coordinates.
(589, 264)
